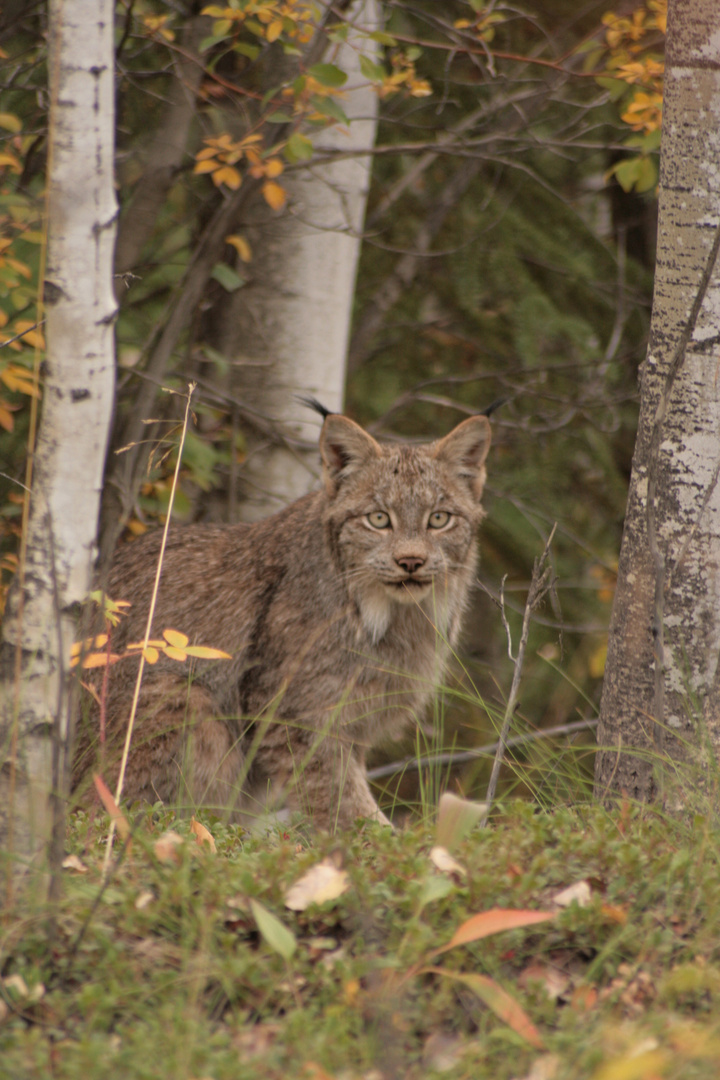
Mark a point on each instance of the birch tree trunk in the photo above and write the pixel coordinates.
(660, 697)
(40, 624)
(288, 329)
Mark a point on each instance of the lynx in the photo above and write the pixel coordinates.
(339, 612)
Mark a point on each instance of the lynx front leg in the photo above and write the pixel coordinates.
(333, 789)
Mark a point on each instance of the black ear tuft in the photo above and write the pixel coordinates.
(494, 405)
(313, 403)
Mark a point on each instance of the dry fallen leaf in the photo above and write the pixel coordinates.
(144, 899)
(544, 1068)
(580, 892)
(444, 861)
(322, 882)
(166, 847)
(17, 986)
(442, 1051)
(203, 836)
(554, 981)
(71, 862)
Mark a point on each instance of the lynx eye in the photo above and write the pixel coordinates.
(438, 520)
(378, 519)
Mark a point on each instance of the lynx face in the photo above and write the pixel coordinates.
(402, 521)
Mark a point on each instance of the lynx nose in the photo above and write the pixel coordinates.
(410, 564)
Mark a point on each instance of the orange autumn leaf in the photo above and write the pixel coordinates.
(111, 806)
(203, 836)
(502, 1004)
(274, 195)
(492, 922)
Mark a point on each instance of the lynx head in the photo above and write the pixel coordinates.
(401, 521)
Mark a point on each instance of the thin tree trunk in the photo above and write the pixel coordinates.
(40, 624)
(288, 329)
(660, 693)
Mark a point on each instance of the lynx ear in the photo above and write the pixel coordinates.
(465, 450)
(344, 448)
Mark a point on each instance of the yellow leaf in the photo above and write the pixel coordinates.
(19, 380)
(34, 338)
(273, 167)
(153, 643)
(204, 653)
(11, 160)
(89, 643)
(205, 166)
(228, 176)
(274, 195)
(96, 659)
(6, 418)
(151, 655)
(10, 122)
(216, 12)
(174, 637)
(202, 835)
(241, 246)
(274, 30)
(175, 654)
(21, 267)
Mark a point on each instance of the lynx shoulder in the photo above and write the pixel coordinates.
(339, 613)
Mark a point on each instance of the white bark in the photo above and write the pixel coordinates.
(40, 625)
(662, 671)
(288, 330)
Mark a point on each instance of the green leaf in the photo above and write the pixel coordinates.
(456, 817)
(278, 118)
(329, 107)
(227, 277)
(216, 357)
(616, 87)
(627, 173)
(246, 49)
(372, 71)
(435, 888)
(382, 38)
(276, 934)
(207, 43)
(298, 148)
(647, 176)
(328, 74)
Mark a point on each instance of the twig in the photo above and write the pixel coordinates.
(541, 583)
(459, 757)
(17, 337)
(148, 630)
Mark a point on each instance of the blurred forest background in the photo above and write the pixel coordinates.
(507, 253)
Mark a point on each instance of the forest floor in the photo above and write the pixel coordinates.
(189, 964)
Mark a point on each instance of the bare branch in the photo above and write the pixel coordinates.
(540, 585)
